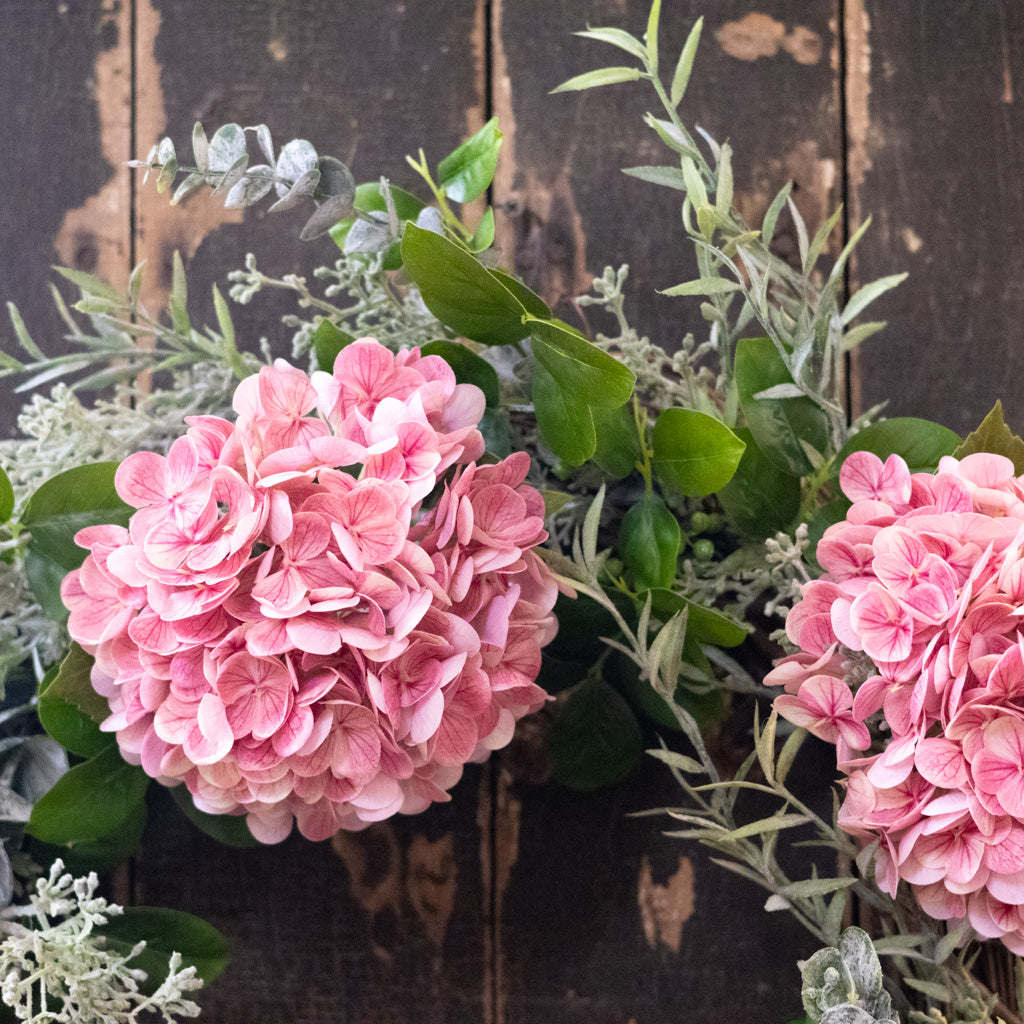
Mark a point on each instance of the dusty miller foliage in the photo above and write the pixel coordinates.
(60, 971)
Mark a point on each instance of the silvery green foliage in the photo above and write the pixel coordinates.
(844, 985)
(58, 972)
(296, 175)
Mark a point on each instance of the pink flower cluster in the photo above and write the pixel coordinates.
(918, 621)
(285, 628)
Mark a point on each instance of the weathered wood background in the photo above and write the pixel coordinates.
(521, 903)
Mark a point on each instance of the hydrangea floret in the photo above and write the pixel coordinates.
(288, 629)
(917, 624)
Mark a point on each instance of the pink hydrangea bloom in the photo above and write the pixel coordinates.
(286, 629)
(918, 623)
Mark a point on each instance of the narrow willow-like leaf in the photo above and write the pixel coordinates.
(929, 988)
(866, 295)
(684, 66)
(603, 76)
(703, 286)
(815, 887)
(680, 761)
(724, 190)
(772, 215)
(617, 37)
(853, 337)
(821, 236)
(765, 745)
(794, 741)
(651, 36)
(772, 824)
(672, 177)
(801, 232)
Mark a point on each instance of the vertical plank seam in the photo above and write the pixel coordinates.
(133, 134)
(844, 187)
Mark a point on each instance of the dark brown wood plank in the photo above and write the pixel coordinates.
(601, 918)
(64, 86)
(937, 143)
(386, 925)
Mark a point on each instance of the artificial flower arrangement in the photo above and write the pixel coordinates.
(316, 588)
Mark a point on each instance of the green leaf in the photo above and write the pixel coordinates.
(79, 497)
(671, 177)
(226, 148)
(229, 829)
(920, 443)
(617, 37)
(866, 295)
(760, 499)
(591, 374)
(705, 625)
(100, 855)
(694, 453)
(603, 76)
(651, 36)
(703, 286)
(595, 740)
(70, 710)
(90, 285)
(776, 823)
(468, 366)
(91, 801)
(328, 341)
(780, 426)
(483, 237)
(618, 443)
(649, 542)
(681, 75)
(993, 435)
(531, 301)
(468, 170)
(564, 421)
(6, 496)
(460, 291)
(772, 214)
(167, 931)
(815, 887)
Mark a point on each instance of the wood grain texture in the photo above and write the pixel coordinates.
(943, 144)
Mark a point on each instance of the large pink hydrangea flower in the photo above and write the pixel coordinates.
(285, 629)
(918, 621)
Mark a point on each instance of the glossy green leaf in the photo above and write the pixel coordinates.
(602, 76)
(229, 829)
(595, 740)
(780, 426)
(530, 300)
(993, 435)
(6, 496)
(328, 341)
(467, 171)
(564, 421)
(694, 453)
(650, 541)
(70, 710)
(76, 498)
(460, 291)
(618, 443)
(167, 931)
(704, 625)
(920, 443)
(579, 366)
(468, 366)
(93, 800)
(483, 237)
(760, 499)
(102, 854)
(651, 35)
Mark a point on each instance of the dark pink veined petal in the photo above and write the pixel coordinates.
(357, 742)
(941, 761)
(884, 626)
(863, 476)
(141, 479)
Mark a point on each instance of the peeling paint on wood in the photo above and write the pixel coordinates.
(759, 35)
(431, 883)
(664, 909)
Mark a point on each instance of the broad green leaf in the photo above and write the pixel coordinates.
(694, 453)
(705, 625)
(93, 800)
(649, 542)
(589, 373)
(920, 443)
(618, 443)
(603, 76)
(595, 740)
(780, 426)
(229, 829)
(70, 710)
(468, 366)
(760, 499)
(483, 237)
(671, 177)
(681, 75)
(993, 435)
(703, 286)
(76, 498)
(6, 496)
(328, 341)
(102, 854)
(531, 301)
(564, 421)
(167, 931)
(468, 170)
(460, 291)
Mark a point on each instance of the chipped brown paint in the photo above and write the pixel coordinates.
(759, 35)
(95, 237)
(664, 909)
(430, 883)
(160, 227)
